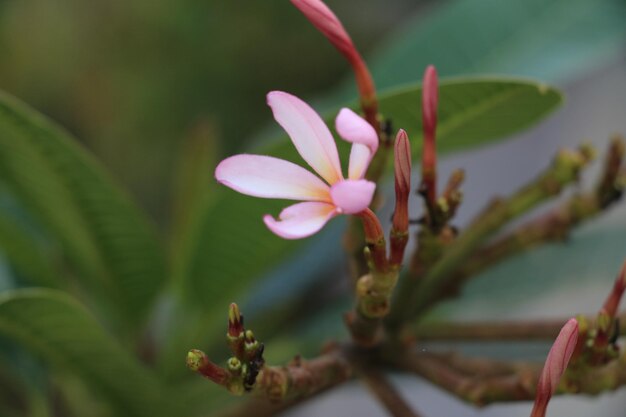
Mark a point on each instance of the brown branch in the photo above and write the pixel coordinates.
(302, 378)
(500, 331)
(553, 226)
(478, 390)
(484, 381)
(380, 386)
(262, 407)
(431, 288)
(280, 388)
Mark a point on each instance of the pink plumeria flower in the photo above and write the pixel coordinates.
(555, 366)
(322, 199)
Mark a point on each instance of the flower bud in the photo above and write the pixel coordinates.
(330, 26)
(430, 100)
(235, 334)
(235, 321)
(234, 366)
(402, 170)
(555, 366)
(327, 23)
(198, 361)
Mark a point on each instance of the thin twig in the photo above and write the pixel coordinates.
(494, 384)
(284, 387)
(550, 227)
(382, 388)
(496, 331)
(428, 290)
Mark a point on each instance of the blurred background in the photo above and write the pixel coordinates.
(132, 79)
(137, 80)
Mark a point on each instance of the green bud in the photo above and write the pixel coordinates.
(195, 359)
(234, 366)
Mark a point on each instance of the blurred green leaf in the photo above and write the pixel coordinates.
(193, 188)
(60, 330)
(553, 40)
(26, 254)
(103, 233)
(232, 245)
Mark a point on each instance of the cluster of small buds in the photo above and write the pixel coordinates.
(247, 352)
(243, 367)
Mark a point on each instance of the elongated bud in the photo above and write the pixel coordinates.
(430, 100)
(402, 171)
(198, 361)
(235, 321)
(235, 334)
(400, 223)
(330, 26)
(612, 301)
(555, 366)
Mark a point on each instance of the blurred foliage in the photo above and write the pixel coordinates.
(132, 78)
(157, 90)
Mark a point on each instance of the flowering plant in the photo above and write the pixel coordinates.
(98, 310)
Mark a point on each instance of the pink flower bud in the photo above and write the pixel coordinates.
(329, 25)
(430, 99)
(402, 170)
(555, 366)
(326, 22)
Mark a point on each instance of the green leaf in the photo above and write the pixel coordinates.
(472, 112)
(193, 188)
(232, 245)
(553, 40)
(26, 254)
(62, 332)
(104, 235)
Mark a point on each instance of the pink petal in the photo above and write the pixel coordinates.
(269, 177)
(353, 128)
(352, 196)
(308, 133)
(301, 219)
(360, 158)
